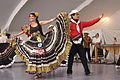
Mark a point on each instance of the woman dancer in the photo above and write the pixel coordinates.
(43, 53)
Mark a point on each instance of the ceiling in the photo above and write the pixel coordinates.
(50, 8)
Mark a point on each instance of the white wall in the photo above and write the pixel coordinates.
(46, 8)
(6, 8)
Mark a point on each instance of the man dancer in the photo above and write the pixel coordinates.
(76, 28)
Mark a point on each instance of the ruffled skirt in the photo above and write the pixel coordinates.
(7, 55)
(56, 46)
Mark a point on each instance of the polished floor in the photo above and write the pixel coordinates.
(99, 72)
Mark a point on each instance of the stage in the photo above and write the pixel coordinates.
(99, 72)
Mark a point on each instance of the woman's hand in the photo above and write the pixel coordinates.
(53, 19)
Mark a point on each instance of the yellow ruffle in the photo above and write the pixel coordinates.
(25, 29)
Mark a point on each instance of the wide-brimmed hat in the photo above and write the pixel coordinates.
(85, 32)
(73, 12)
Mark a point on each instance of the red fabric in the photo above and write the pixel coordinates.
(82, 24)
(28, 34)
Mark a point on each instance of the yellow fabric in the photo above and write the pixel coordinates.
(39, 39)
(26, 29)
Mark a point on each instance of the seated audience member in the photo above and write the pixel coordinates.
(118, 63)
(97, 41)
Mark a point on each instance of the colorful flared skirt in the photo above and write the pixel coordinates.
(7, 55)
(56, 47)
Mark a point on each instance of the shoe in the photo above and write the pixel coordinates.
(69, 74)
(37, 76)
(117, 67)
(88, 74)
(63, 65)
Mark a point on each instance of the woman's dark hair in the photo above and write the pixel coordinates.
(40, 28)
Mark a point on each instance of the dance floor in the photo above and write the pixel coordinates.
(99, 72)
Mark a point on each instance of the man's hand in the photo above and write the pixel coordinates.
(101, 15)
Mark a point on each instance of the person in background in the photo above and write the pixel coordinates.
(118, 63)
(76, 28)
(96, 41)
(3, 38)
(50, 29)
(8, 35)
(0, 36)
(7, 53)
(86, 44)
